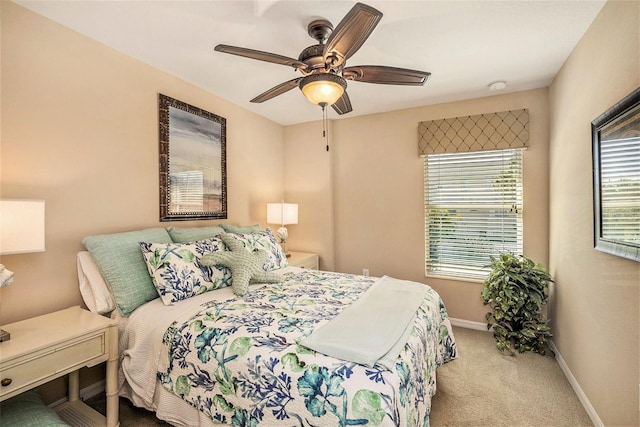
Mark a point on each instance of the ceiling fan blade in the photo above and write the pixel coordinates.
(351, 33)
(343, 105)
(261, 56)
(277, 90)
(385, 75)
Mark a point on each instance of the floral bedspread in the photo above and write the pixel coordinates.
(238, 360)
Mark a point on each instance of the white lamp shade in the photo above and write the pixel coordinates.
(21, 226)
(282, 213)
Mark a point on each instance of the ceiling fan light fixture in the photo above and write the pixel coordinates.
(322, 89)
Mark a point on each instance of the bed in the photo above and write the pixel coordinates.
(216, 357)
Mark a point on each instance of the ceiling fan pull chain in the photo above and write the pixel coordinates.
(325, 124)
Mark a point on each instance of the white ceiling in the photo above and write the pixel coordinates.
(464, 44)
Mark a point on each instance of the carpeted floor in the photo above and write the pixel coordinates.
(130, 416)
(481, 388)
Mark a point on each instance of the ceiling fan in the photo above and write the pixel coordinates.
(323, 65)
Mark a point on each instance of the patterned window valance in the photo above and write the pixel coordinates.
(492, 131)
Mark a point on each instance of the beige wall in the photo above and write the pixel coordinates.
(80, 130)
(595, 303)
(379, 197)
(308, 181)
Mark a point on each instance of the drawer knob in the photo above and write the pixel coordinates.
(6, 381)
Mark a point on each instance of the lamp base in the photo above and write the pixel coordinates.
(4, 335)
(283, 245)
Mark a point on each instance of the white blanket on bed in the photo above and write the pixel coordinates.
(374, 329)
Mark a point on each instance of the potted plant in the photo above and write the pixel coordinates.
(516, 291)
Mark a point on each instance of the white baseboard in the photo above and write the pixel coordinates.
(86, 393)
(479, 326)
(576, 387)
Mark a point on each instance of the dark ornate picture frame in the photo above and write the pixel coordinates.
(616, 178)
(193, 162)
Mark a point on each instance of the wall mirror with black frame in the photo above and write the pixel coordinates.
(616, 178)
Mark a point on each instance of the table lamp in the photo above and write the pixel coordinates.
(283, 214)
(21, 231)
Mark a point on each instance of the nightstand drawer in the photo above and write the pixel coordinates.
(45, 363)
(311, 263)
(304, 260)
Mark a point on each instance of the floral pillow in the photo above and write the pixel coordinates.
(176, 270)
(264, 239)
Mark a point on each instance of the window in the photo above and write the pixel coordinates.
(473, 209)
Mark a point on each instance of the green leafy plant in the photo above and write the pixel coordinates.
(516, 291)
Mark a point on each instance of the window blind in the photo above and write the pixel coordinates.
(620, 181)
(473, 209)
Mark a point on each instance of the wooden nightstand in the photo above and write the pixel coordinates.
(304, 260)
(47, 347)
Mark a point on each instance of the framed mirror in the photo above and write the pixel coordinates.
(616, 178)
(193, 162)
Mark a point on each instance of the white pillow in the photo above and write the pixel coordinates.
(94, 290)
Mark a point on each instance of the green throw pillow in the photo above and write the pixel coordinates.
(240, 228)
(123, 267)
(245, 266)
(264, 239)
(193, 234)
